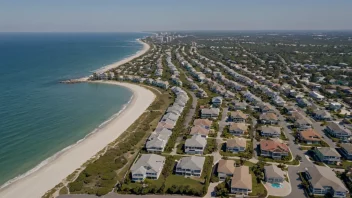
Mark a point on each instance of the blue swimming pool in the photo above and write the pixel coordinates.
(276, 185)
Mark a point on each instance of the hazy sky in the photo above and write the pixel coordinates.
(149, 15)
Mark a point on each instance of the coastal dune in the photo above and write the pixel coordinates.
(37, 183)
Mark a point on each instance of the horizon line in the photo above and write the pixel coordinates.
(154, 31)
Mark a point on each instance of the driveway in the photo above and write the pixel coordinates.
(211, 190)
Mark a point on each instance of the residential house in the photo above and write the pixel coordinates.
(226, 168)
(301, 122)
(346, 150)
(321, 115)
(158, 140)
(236, 145)
(170, 116)
(190, 166)
(199, 130)
(238, 116)
(268, 118)
(323, 180)
(274, 174)
(315, 95)
(210, 113)
(273, 148)
(238, 106)
(302, 102)
(289, 109)
(238, 129)
(195, 144)
(309, 136)
(205, 123)
(328, 155)
(216, 101)
(335, 106)
(147, 166)
(241, 182)
(169, 124)
(270, 131)
(338, 131)
(175, 109)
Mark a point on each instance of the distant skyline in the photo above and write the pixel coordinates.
(173, 15)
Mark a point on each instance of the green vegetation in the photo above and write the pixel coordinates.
(247, 154)
(171, 184)
(222, 189)
(100, 176)
(63, 191)
(211, 147)
(179, 128)
(344, 165)
(285, 159)
(257, 172)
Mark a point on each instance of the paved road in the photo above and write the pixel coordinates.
(297, 191)
(295, 182)
(319, 129)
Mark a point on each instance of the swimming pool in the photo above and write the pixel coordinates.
(276, 185)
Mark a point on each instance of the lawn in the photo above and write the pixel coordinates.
(181, 180)
(345, 164)
(257, 188)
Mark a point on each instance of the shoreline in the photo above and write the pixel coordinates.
(145, 48)
(14, 186)
(114, 65)
(59, 166)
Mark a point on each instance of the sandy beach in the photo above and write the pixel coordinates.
(123, 61)
(42, 180)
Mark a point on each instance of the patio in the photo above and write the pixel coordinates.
(283, 191)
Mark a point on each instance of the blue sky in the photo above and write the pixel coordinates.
(153, 15)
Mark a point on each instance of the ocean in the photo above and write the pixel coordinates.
(39, 116)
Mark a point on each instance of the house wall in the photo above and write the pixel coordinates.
(346, 154)
(239, 191)
(235, 149)
(189, 172)
(194, 150)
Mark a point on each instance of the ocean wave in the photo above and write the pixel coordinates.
(58, 154)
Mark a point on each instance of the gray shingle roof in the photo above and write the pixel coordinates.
(274, 171)
(214, 111)
(154, 162)
(197, 141)
(328, 151)
(338, 128)
(271, 130)
(193, 162)
(347, 147)
(324, 176)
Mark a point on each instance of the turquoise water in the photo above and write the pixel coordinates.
(276, 185)
(39, 116)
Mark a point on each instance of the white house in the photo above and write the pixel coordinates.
(147, 166)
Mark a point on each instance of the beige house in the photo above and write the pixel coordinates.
(226, 168)
(238, 116)
(241, 182)
(238, 129)
(236, 145)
